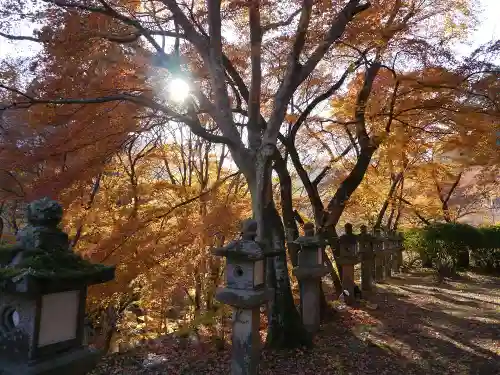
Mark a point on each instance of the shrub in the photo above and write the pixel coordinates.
(445, 246)
(487, 254)
(414, 244)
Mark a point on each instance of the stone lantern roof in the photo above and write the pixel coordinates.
(42, 257)
(245, 248)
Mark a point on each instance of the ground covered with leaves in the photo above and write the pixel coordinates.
(412, 325)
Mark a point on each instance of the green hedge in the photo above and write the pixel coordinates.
(487, 254)
(446, 246)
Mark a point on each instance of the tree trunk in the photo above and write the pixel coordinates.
(285, 328)
(385, 205)
(349, 185)
(291, 229)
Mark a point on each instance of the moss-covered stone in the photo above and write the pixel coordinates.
(58, 265)
(42, 249)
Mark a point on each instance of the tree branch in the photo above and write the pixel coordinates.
(415, 211)
(335, 32)
(286, 22)
(141, 100)
(325, 170)
(254, 128)
(361, 102)
(303, 116)
(19, 37)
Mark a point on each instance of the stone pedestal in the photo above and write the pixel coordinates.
(379, 272)
(398, 260)
(348, 262)
(367, 258)
(78, 361)
(388, 249)
(309, 272)
(310, 278)
(396, 264)
(245, 352)
(398, 253)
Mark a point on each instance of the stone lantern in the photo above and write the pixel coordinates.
(378, 250)
(365, 243)
(392, 265)
(245, 291)
(398, 252)
(388, 251)
(309, 271)
(43, 290)
(349, 257)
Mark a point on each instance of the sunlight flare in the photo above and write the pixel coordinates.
(178, 89)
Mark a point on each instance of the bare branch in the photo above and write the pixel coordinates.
(326, 169)
(286, 22)
(300, 39)
(303, 116)
(415, 211)
(334, 33)
(141, 100)
(391, 108)
(19, 37)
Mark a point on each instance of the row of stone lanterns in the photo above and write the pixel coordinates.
(246, 291)
(42, 310)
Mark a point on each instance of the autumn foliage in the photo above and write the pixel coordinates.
(333, 111)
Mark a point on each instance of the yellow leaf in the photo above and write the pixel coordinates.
(290, 117)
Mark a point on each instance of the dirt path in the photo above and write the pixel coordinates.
(418, 327)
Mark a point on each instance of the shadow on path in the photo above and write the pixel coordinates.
(417, 328)
(444, 328)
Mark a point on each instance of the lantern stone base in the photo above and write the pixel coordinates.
(242, 298)
(75, 362)
(387, 264)
(397, 262)
(302, 273)
(310, 278)
(379, 267)
(348, 282)
(367, 272)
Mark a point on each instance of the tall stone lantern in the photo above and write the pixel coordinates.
(388, 254)
(43, 290)
(378, 249)
(245, 291)
(365, 242)
(399, 252)
(349, 257)
(309, 271)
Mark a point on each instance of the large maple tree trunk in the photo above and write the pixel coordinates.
(285, 328)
